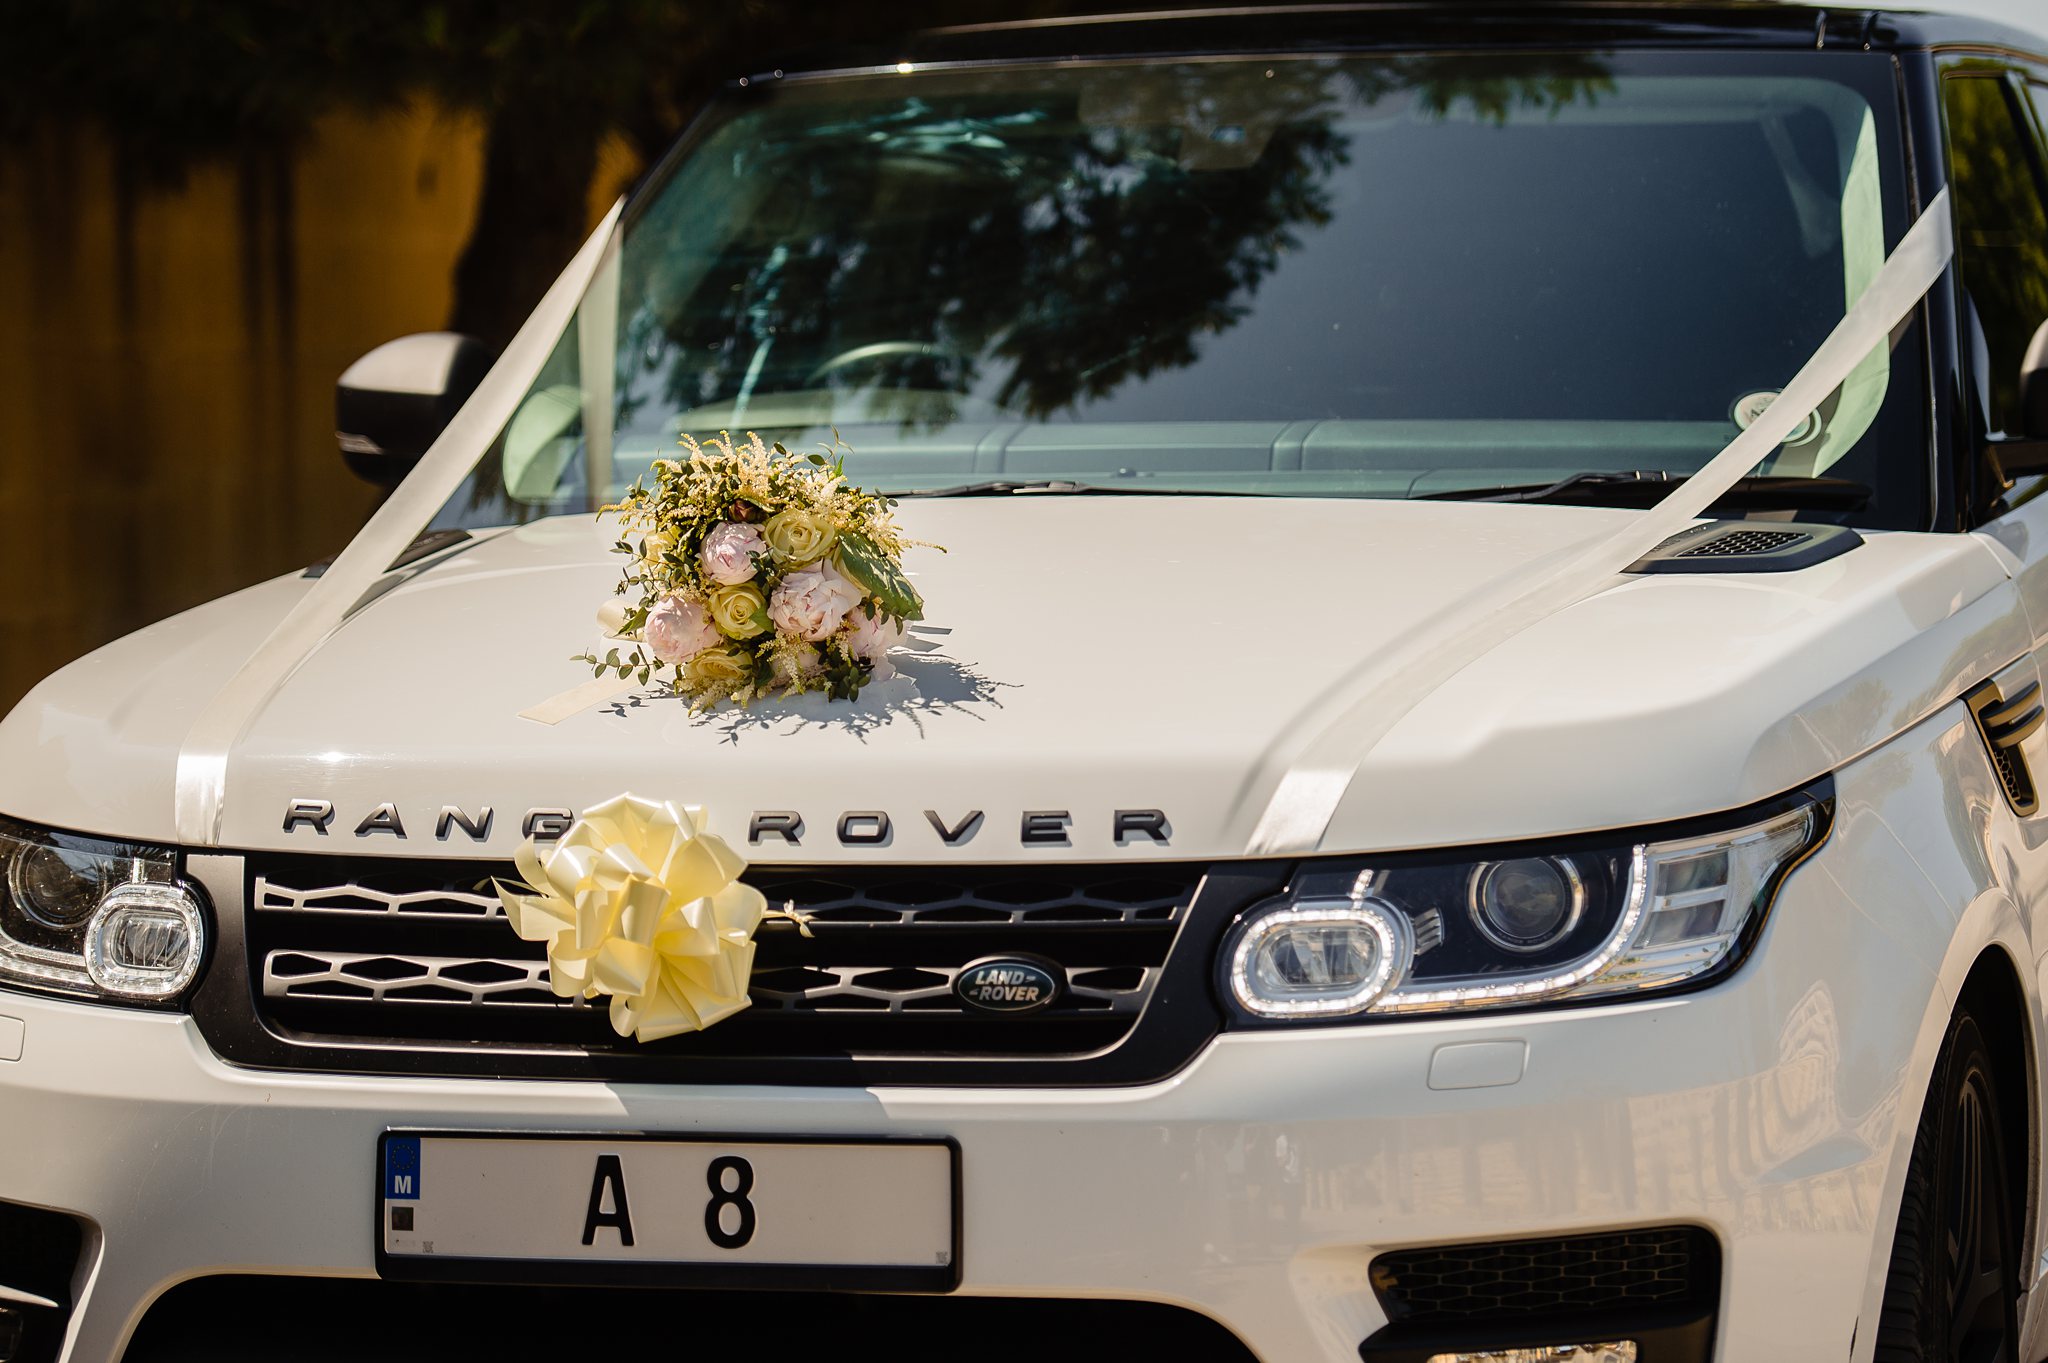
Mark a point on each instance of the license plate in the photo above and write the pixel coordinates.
(741, 1212)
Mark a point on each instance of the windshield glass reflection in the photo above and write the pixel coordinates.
(1361, 277)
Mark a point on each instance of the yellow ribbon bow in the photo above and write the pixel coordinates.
(639, 903)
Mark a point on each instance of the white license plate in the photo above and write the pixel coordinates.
(844, 1214)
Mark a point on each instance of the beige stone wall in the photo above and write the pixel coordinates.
(168, 356)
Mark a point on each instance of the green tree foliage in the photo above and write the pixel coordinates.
(177, 83)
(1069, 245)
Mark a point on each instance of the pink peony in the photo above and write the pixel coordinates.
(811, 602)
(727, 555)
(871, 637)
(678, 630)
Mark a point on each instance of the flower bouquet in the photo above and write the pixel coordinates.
(756, 572)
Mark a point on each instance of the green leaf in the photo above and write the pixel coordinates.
(879, 576)
(760, 618)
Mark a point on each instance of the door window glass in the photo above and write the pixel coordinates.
(2002, 228)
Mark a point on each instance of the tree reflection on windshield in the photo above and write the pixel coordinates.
(971, 251)
(1355, 277)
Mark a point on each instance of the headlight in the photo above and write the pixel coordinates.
(102, 920)
(1590, 920)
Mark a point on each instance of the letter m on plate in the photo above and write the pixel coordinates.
(402, 1167)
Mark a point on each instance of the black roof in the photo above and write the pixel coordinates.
(1409, 24)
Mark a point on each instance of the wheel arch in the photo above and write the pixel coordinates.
(1995, 997)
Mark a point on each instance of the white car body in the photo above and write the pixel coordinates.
(1776, 1108)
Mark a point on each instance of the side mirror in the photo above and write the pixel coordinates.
(392, 403)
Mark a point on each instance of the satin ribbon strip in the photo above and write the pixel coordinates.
(202, 760)
(638, 904)
(1304, 801)
(577, 699)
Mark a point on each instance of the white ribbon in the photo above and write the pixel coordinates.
(568, 704)
(1300, 809)
(203, 760)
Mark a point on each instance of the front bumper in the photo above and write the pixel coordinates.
(1738, 1109)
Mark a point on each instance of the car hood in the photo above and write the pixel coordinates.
(1082, 656)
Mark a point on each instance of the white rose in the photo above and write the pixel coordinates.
(737, 610)
(800, 537)
(811, 602)
(716, 671)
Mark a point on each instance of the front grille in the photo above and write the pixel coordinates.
(901, 897)
(355, 962)
(1571, 1275)
(497, 983)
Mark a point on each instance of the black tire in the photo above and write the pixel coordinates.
(1952, 1294)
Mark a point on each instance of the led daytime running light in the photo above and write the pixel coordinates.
(163, 919)
(1393, 948)
(46, 923)
(1754, 860)
(1412, 937)
(1528, 986)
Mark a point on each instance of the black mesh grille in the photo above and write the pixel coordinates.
(1747, 547)
(1669, 1266)
(1739, 542)
(392, 952)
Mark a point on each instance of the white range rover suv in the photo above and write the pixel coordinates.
(1468, 789)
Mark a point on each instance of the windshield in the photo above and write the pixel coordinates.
(1356, 277)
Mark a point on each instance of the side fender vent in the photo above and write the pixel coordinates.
(2006, 723)
(1747, 547)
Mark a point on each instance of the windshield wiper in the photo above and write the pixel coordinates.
(1646, 487)
(998, 487)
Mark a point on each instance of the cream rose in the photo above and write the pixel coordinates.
(737, 610)
(718, 669)
(811, 602)
(657, 543)
(728, 552)
(678, 630)
(799, 537)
